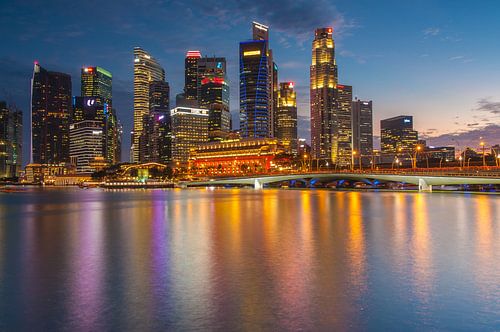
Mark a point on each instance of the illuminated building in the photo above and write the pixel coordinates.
(237, 157)
(397, 134)
(50, 116)
(95, 104)
(97, 82)
(342, 126)
(362, 129)
(189, 129)
(86, 144)
(256, 84)
(11, 127)
(47, 173)
(213, 94)
(156, 141)
(323, 75)
(285, 127)
(146, 70)
(191, 75)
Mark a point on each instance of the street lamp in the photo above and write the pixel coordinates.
(417, 149)
(484, 156)
(460, 161)
(352, 159)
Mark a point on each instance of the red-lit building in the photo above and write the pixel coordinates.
(238, 157)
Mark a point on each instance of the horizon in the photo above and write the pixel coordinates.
(428, 55)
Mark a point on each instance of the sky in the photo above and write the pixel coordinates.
(436, 60)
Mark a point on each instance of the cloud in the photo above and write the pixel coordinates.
(296, 19)
(431, 32)
(469, 137)
(486, 105)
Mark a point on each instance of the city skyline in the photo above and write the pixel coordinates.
(430, 86)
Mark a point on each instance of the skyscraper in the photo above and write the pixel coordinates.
(146, 70)
(362, 129)
(11, 127)
(342, 126)
(50, 116)
(191, 75)
(157, 134)
(324, 80)
(397, 134)
(97, 82)
(95, 104)
(285, 127)
(213, 94)
(189, 129)
(256, 84)
(87, 144)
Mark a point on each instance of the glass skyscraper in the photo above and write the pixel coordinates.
(362, 129)
(285, 126)
(397, 134)
(146, 70)
(323, 75)
(257, 72)
(213, 94)
(11, 127)
(50, 116)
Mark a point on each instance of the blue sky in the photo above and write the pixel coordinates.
(436, 60)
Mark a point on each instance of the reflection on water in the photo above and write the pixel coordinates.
(246, 259)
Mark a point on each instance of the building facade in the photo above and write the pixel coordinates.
(237, 157)
(285, 117)
(213, 94)
(362, 129)
(397, 135)
(323, 83)
(342, 153)
(191, 75)
(86, 145)
(146, 70)
(50, 116)
(189, 129)
(156, 141)
(257, 85)
(97, 82)
(11, 135)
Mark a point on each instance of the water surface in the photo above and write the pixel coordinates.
(88, 260)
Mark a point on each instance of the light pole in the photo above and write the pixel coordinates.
(417, 149)
(460, 161)
(484, 156)
(352, 159)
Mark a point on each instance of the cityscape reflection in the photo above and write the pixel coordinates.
(247, 259)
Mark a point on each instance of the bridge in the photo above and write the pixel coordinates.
(424, 180)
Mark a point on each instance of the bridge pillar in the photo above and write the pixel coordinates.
(423, 186)
(257, 184)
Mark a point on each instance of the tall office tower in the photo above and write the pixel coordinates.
(189, 129)
(96, 91)
(11, 136)
(324, 80)
(342, 126)
(146, 70)
(87, 145)
(261, 32)
(191, 75)
(286, 115)
(397, 134)
(96, 82)
(362, 129)
(275, 90)
(156, 139)
(50, 116)
(213, 94)
(256, 85)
